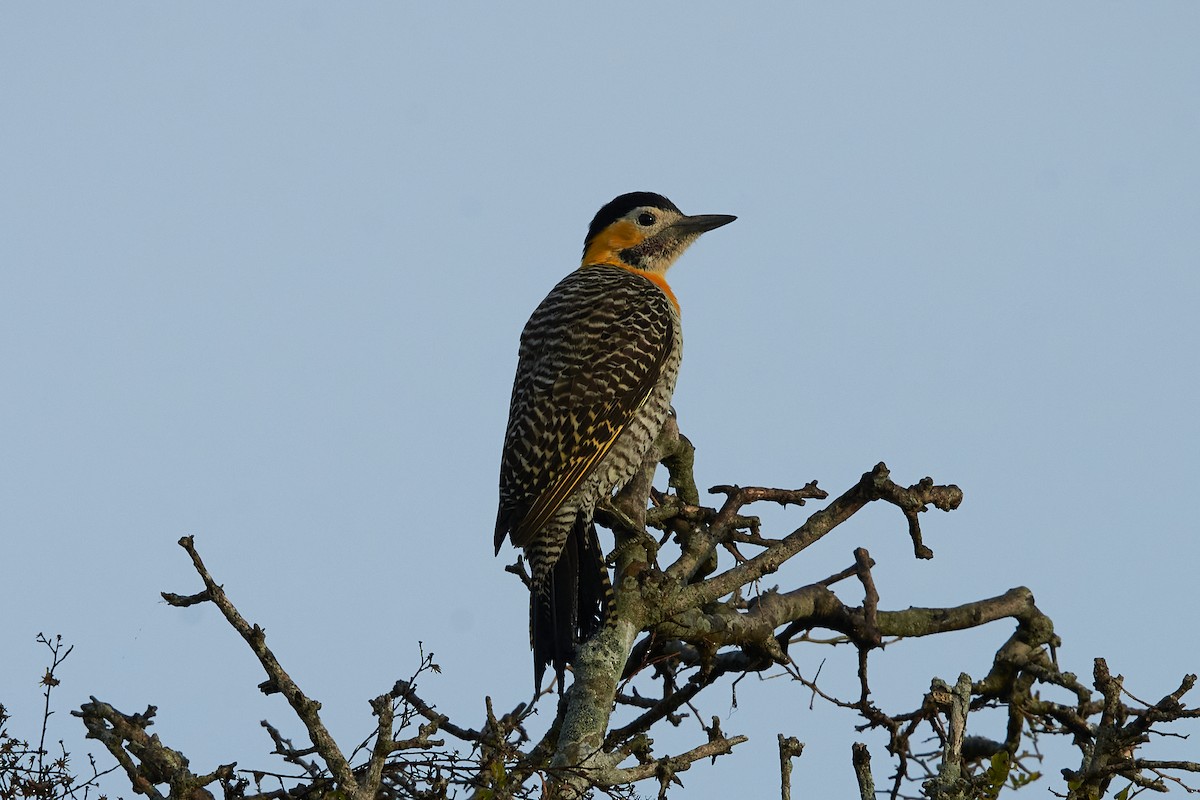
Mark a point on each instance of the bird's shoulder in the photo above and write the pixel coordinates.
(596, 304)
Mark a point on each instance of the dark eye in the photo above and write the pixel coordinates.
(645, 219)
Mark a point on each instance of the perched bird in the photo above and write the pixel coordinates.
(596, 370)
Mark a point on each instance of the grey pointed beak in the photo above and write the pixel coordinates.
(701, 223)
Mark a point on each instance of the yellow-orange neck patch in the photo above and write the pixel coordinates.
(606, 249)
(607, 246)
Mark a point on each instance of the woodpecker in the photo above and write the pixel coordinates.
(596, 369)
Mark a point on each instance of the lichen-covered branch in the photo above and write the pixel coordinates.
(1111, 750)
(688, 614)
(789, 747)
(147, 762)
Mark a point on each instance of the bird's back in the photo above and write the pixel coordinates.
(599, 354)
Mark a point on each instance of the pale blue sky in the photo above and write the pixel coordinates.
(263, 268)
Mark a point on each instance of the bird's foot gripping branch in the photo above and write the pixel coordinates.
(690, 616)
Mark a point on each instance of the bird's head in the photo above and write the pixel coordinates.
(644, 231)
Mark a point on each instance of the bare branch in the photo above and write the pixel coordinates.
(665, 768)
(874, 485)
(860, 756)
(789, 747)
(306, 708)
